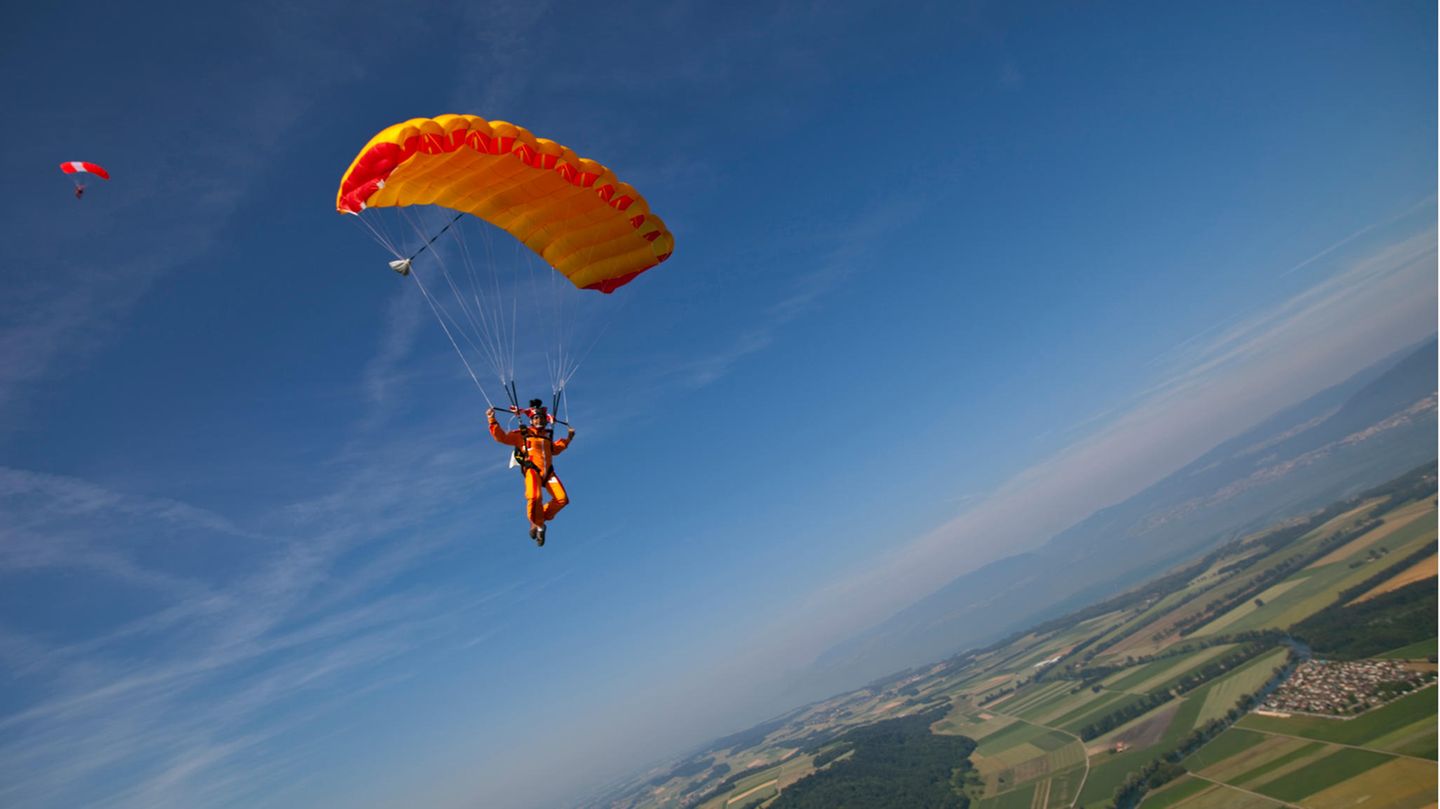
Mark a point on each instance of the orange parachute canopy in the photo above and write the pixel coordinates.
(595, 230)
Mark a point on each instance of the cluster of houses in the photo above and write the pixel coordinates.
(1334, 688)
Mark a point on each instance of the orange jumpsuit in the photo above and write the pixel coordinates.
(539, 448)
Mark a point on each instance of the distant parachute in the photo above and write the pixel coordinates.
(461, 177)
(75, 168)
(79, 166)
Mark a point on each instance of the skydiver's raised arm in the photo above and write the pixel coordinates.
(509, 439)
(559, 446)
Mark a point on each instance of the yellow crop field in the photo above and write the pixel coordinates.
(1400, 784)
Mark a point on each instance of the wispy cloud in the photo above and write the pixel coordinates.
(174, 699)
(164, 728)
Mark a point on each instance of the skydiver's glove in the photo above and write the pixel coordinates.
(490, 414)
(572, 432)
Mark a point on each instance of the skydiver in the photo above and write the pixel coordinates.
(535, 446)
(79, 191)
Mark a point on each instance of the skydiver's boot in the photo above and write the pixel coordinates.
(540, 537)
(534, 532)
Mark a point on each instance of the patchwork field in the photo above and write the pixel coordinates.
(1054, 708)
(1316, 587)
(1320, 773)
(1144, 731)
(978, 724)
(1221, 695)
(1421, 570)
(764, 783)
(1152, 676)
(1394, 521)
(1053, 792)
(1022, 753)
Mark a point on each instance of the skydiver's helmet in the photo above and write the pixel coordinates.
(538, 416)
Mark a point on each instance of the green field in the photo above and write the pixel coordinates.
(1014, 735)
(1162, 674)
(969, 723)
(1032, 695)
(1220, 796)
(1415, 739)
(1075, 721)
(1222, 747)
(1062, 786)
(1319, 775)
(1021, 798)
(1108, 771)
(1053, 706)
(1222, 694)
(1406, 711)
(1174, 792)
(1285, 757)
(1416, 651)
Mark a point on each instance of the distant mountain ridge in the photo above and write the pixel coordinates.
(1364, 431)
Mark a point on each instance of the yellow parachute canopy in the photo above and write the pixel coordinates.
(595, 230)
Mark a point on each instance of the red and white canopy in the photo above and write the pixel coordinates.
(80, 166)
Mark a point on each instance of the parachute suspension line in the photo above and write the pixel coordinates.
(456, 345)
(565, 380)
(490, 348)
(384, 240)
(503, 333)
(541, 274)
(557, 301)
(468, 261)
(533, 283)
(390, 243)
(442, 313)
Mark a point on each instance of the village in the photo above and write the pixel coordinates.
(1334, 688)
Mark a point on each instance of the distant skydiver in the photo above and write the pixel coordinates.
(76, 168)
(535, 447)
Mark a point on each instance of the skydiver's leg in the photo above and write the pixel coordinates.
(534, 507)
(560, 498)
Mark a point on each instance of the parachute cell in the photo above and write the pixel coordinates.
(573, 212)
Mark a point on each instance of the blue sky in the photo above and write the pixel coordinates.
(948, 278)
